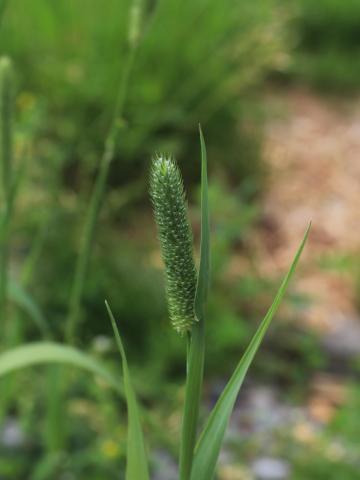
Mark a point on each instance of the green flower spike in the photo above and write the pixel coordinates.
(170, 210)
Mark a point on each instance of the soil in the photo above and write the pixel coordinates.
(313, 151)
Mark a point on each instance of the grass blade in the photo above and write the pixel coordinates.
(210, 442)
(196, 351)
(204, 269)
(49, 352)
(136, 467)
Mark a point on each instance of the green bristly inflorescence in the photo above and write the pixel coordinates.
(170, 209)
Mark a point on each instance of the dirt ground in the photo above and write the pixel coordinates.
(313, 150)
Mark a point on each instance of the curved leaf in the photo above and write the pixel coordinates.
(203, 280)
(136, 461)
(49, 352)
(211, 439)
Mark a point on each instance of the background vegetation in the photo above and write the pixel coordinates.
(327, 44)
(201, 61)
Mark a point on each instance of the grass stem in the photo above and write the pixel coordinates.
(6, 184)
(97, 195)
(195, 372)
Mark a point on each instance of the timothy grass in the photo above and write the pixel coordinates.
(195, 463)
(177, 241)
(187, 287)
(200, 464)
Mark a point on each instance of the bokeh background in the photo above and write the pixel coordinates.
(275, 86)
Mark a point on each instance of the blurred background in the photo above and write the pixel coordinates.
(275, 86)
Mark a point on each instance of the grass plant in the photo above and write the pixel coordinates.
(198, 453)
(187, 290)
(200, 463)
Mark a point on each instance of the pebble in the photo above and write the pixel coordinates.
(11, 435)
(344, 339)
(268, 468)
(165, 466)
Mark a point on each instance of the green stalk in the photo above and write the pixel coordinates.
(194, 379)
(136, 27)
(95, 203)
(55, 403)
(196, 348)
(7, 196)
(6, 156)
(55, 436)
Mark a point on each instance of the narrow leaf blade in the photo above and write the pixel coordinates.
(196, 351)
(210, 442)
(204, 268)
(50, 352)
(137, 467)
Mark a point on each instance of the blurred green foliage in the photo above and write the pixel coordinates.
(328, 44)
(198, 62)
(337, 455)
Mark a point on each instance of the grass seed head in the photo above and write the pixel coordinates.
(176, 241)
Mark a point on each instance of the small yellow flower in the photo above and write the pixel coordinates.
(110, 449)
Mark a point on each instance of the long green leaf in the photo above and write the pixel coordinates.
(204, 268)
(136, 467)
(210, 442)
(196, 351)
(49, 352)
